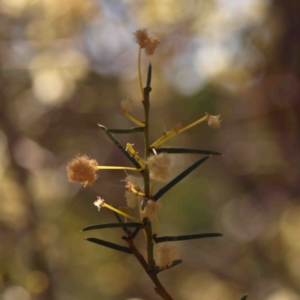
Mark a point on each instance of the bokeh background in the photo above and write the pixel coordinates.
(67, 64)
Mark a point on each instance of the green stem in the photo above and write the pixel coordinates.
(140, 73)
(150, 266)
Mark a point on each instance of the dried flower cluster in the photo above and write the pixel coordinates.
(82, 169)
(99, 203)
(159, 166)
(138, 184)
(151, 209)
(165, 254)
(149, 43)
(126, 105)
(214, 121)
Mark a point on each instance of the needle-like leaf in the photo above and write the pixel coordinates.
(186, 150)
(174, 264)
(117, 143)
(177, 179)
(128, 130)
(111, 225)
(186, 237)
(110, 245)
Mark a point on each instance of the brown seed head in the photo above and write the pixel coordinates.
(82, 169)
(145, 41)
(141, 37)
(151, 45)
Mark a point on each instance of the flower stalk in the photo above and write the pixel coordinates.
(154, 166)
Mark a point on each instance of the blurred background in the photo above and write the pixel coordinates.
(67, 64)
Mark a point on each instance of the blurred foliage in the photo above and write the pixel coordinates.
(66, 65)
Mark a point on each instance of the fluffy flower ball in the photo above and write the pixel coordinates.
(145, 41)
(82, 169)
(159, 166)
(151, 209)
(214, 121)
(165, 254)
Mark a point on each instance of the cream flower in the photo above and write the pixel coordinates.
(165, 254)
(151, 209)
(214, 121)
(159, 166)
(99, 203)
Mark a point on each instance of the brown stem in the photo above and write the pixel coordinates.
(159, 289)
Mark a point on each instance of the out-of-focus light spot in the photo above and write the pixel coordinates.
(4, 158)
(73, 64)
(283, 295)
(13, 209)
(202, 286)
(55, 76)
(290, 227)
(48, 185)
(293, 264)
(13, 7)
(50, 87)
(116, 275)
(187, 82)
(37, 282)
(213, 60)
(30, 155)
(263, 157)
(15, 292)
(242, 220)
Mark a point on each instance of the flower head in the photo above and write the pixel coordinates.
(136, 181)
(132, 199)
(151, 45)
(159, 166)
(145, 41)
(99, 203)
(151, 209)
(141, 37)
(214, 121)
(82, 169)
(165, 254)
(126, 105)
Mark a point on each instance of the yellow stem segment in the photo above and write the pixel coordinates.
(172, 133)
(130, 149)
(118, 168)
(120, 212)
(132, 119)
(136, 192)
(140, 74)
